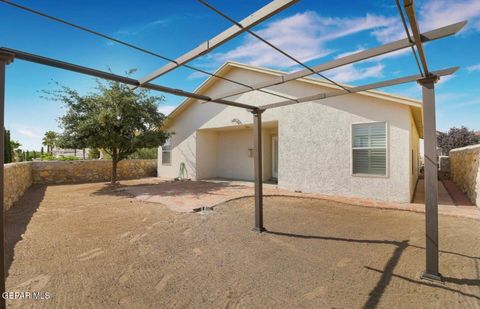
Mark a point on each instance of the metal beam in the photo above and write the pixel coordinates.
(370, 53)
(405, 27)
(408, 4)
(335, 93)
(136, 47)
(431, 180)
(257, 161)
(113, 77)
(257, 17)
(5, 59)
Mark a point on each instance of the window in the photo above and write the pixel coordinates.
(167, 153)
(369, 148)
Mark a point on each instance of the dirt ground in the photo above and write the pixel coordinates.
(91, 247)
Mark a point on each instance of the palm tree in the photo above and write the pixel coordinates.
(14, 146)
(49, 140)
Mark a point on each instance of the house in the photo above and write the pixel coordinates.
(79, 153)
(359, 145)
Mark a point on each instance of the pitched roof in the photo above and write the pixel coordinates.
(415, 105)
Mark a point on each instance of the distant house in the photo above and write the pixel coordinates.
(79, 153)
(359, 145)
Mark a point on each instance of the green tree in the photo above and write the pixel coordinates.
(14, 148)
(144, 153)
(456, 138)
(93, 153)
(113, 118)
(50, 140)
(7, 147)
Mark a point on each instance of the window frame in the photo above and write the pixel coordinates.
(170, 151)
(387, 151)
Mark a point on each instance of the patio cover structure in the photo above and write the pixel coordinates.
(414, 41)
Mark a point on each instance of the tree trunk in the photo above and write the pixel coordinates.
(114, 165)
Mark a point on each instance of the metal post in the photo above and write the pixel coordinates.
(431, 180)
(257, 158)
(5, 58)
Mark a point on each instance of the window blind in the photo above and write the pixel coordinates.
(167, 153)
(369, 148)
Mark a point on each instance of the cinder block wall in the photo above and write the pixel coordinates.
(18, 178)
(465, 171)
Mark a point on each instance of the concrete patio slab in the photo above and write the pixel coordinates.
(185, 196)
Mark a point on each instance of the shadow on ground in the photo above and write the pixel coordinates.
(18, 218)
(388, 271)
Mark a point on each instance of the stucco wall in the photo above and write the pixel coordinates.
(18, 178)
(233, 159)
(465, 171)
(207, 145)
(414, 157)
(56, 172)
(314, 138)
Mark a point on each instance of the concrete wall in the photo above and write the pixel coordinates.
(59, 172)
(314, 138)
(18, 178)
(465, 171)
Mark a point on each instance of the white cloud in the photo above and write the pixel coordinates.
(472, 68)
(435, 14)
(166, 109)
(448, 97)
(303, 35)
(350, 73)
(445, 79)
(29, 133)
(438, 13)
(137, 29)
(306, 36)
(196, 75)
(345, 54)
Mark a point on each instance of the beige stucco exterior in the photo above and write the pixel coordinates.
(314, 138)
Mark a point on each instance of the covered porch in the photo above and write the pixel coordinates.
(227, 152)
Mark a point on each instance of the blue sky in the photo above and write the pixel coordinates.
(314, 31)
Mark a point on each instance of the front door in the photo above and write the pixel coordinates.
(275, 157)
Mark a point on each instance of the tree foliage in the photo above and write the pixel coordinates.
(455, 138)
(113, 118)
(50, 139)
(7, 147)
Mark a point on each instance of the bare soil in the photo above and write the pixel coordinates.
(90, 246)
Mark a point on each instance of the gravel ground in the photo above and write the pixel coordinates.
(92, 247)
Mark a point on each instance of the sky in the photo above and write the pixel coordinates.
(312, 31)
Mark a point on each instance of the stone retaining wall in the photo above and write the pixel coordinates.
(59, 172)
(444, 167)
(465, 171)
(18, 178)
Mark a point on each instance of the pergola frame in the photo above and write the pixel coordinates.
(426, 80)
